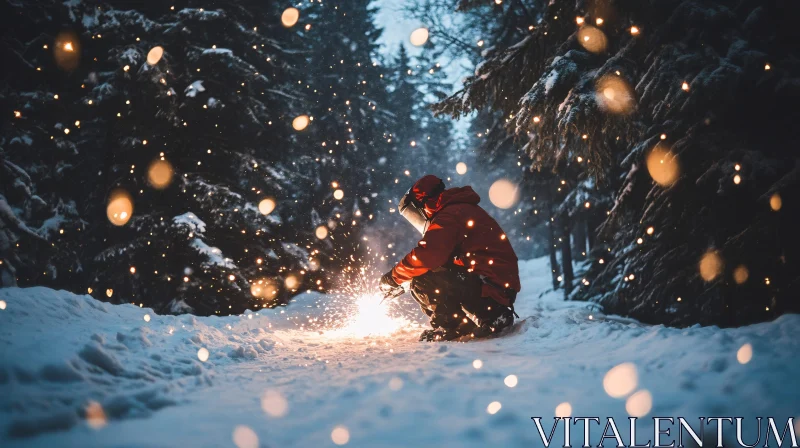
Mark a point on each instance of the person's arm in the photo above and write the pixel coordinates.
(435, 248)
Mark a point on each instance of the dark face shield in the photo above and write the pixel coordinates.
(413, 213)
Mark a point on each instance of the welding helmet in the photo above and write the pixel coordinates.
(412, 204)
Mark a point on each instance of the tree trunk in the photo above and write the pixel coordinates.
(566, 256)
(554, 269)
(579, 249)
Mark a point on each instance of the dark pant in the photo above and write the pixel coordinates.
(451, 298)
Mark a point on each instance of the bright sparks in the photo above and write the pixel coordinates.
(370, 317)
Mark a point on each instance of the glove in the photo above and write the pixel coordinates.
(387, 283)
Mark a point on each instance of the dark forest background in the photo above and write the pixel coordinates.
(654, 144)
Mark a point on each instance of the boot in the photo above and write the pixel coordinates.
(504, 320)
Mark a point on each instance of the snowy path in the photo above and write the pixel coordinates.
(59, 352)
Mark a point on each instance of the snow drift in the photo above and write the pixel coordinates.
(78, 372)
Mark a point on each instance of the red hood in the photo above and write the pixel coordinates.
(459, 195)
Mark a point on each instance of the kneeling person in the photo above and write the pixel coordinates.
(464, 271)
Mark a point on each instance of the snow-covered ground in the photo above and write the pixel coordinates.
(75, 372)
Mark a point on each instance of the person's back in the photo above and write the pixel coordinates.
(464, 271)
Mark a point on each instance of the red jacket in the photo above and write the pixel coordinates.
(464, 233)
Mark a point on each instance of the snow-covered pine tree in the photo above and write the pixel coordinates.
(38, 157)
(703, 88)
(209, 95)
(350, 138)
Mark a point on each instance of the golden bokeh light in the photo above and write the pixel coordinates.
(477, 364)
(290, 17)
(109, 292)
(202, 354)
(614, 95)
(419, 36)
(274, 404)
(340, 435)
(511, 381)
(775, 202)
(120, 207)
(494, 407)
(461, 168)
(66, 51)
(639, 404)
(146, 318)
(154, 55)
(321, 232)
(95, 415)
(503, 193)
(592, 39)
(291, 281)
(711, 265)
(621, 380)
(744, 354)
(244, 437)
(338, 195)
(300, 122)
(159, 174)
(563, 410)
(741, 274)
(663, 166)
(266, 206)
(3, 304)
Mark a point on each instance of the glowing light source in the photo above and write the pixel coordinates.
(300, 122)
(592, 39)
(3, 304)
(291, 281)
(120, 207)
(579, 20)
(775, 202)
(563, 410)
(244, 437)
(744, 354)
(741, 274)
(621, 380)
(650, 230)
(419, 36)
(685, 86)
(477, 364)
(290, 17)
(461, 168)
(338, 195)
(321, 232)
(510, 381)
(202, 354)
(494, 407)
(154, 55)
(634, 30)
(395, 383)
(503, 194)
(266, 206)
(274, 404)
(109, 292)
(159, 174)
(340, 435)
(663, 166)
(147, 318)
(614, 94)
(711, 265)
(737, 179)
(95, 415)
(66, 51)
(639, 404)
